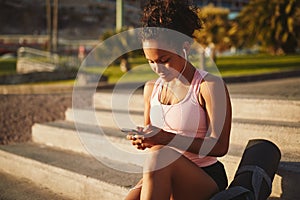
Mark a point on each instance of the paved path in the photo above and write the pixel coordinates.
(287, 88)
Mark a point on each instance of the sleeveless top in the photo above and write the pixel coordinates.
(186, 117)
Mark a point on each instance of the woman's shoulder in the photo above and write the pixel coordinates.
(209, 78)
(211, 83)
(148, 88)
(150, 83)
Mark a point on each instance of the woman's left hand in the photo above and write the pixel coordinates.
(150, 136)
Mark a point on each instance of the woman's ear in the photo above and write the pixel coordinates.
(187, 47)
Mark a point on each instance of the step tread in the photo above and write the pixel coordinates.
(135, 112)
(234, 120)
(86, 166)
(255, 108)
(291, 159)
(105, 117)
(13, 188)
(79, 163)
(266, 122)
(93, 129)
(100, 141)
(139, 92)
(113, 132)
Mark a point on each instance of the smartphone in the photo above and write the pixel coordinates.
(128, 130)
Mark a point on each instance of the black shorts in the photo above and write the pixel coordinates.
(217, 172)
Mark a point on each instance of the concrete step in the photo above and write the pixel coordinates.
(96, 133)
(125, 100)
(73, 175)
(104, 117)
(78, 176)
(66, 131)
(266, 109)
(285, 134)
(81, 137)
(13, 188)
(101, 142)
(242, 108)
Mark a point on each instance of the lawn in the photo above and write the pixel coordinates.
(8, 66)
(256, 64)
(226, 66)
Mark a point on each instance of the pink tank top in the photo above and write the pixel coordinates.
(186, 117)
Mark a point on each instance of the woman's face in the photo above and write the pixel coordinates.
(164, 61)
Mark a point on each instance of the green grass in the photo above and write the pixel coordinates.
(256, 64)
(61, 82)
(227, 66)
(8, 66)
(140, 71)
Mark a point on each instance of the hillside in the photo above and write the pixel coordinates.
(78, 19)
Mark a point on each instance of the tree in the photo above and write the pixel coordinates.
(215, 28)
(272, 24)
(120, 45)
(52, 24)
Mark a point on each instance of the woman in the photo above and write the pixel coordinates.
(187, 112)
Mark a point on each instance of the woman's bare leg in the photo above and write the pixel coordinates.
(168, 174)
(135, 193)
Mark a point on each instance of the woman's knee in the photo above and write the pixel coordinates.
(160, 157)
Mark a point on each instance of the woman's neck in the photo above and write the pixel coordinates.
(187, 75)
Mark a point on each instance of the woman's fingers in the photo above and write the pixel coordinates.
(139, 144)
(140, 129)
(144, 140)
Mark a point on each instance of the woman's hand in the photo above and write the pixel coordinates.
(137, 139)
(150, 136)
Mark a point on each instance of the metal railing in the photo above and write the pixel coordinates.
(34, 60)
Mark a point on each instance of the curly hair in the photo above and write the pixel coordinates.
(177, 15)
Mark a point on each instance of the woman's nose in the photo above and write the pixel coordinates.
(159, 68)
(154, 67)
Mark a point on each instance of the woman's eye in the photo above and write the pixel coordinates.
(164, 61)
(150, 61)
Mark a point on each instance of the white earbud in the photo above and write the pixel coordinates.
(185, 64)
(184, 51)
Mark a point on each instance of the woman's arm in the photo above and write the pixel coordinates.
(137, 140)
(216, 100)
(147, 97)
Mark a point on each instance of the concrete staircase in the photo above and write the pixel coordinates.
(59, 158)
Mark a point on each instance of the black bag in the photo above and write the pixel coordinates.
(255, 174)
(234, 193)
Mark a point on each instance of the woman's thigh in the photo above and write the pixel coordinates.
(191, 182)
(188, 181)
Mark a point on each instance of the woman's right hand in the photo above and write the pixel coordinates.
(137, 139)
(145, 138)
(156, 136)
(150, 136)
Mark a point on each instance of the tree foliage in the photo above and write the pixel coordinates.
(215, 26)
(272, 24)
